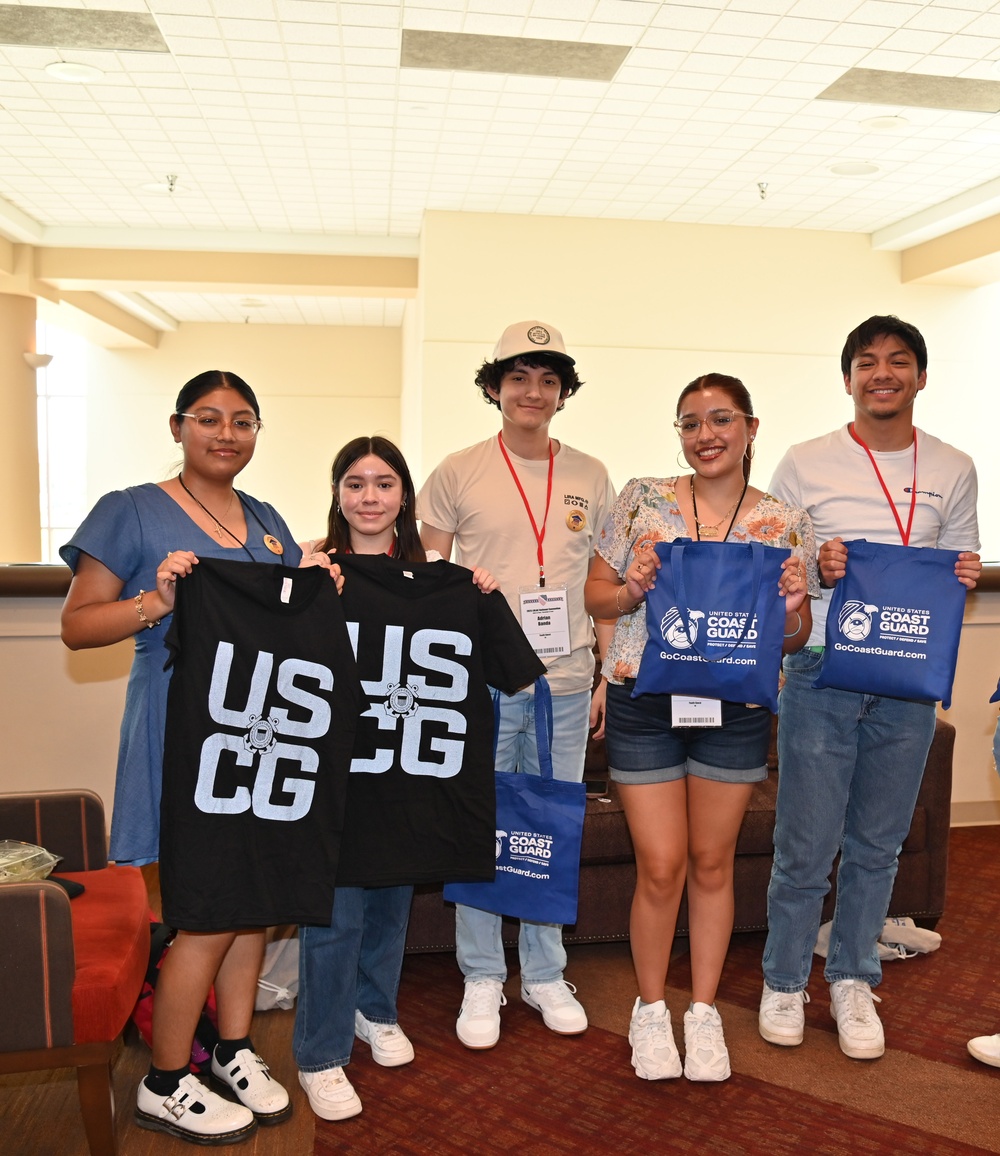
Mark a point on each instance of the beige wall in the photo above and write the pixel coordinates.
(318, 387)
(18, 431)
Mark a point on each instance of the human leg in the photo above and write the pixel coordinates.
(386, 913)
(817, 748)
(893, 740)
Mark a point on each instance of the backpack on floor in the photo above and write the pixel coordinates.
(206, 1034)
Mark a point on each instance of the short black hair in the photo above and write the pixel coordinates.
(868, 332)
(491, 373)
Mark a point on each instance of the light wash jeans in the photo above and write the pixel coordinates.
(353, 963)
(477, 932)
(849, 769)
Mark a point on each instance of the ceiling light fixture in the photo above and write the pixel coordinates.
(38, 360)
(885, 124)
(165, 188)
(73, 73)
(853, 169)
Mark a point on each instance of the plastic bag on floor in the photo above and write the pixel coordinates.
(278, 983)
(900, 938)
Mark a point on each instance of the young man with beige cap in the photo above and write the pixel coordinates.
(528, 508)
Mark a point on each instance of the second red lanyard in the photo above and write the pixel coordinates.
(904, 535)
(539, 534)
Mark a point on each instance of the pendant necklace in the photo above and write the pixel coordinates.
(713, 530)
(220, 528)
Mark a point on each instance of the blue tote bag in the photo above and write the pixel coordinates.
(894, 623)
(715, 622)
(539, 832)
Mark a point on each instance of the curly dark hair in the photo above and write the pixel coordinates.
(338, 534)
(491, 373)
(868, 332)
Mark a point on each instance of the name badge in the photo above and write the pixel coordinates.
(545, 619)
(695, 712)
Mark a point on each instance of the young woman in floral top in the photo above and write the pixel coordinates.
(685, 789)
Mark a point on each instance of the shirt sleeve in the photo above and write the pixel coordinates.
(111, 533)
(614, 542)
(437, 500)
(785, 485)
(508, 660)
(960, 530)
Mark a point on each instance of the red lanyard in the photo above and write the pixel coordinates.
(888, 497)
(539, 537)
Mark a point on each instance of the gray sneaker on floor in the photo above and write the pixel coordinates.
(852, 1005)
(654, 1053)
(782, 1018)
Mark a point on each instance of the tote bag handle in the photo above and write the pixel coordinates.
(677, 571)
(543, 725)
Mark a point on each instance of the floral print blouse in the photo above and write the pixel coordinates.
(646, 512)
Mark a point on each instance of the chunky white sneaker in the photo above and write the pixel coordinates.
(248, 1077)
(478, 1023)
(782, 1017)
(390, 1047)
(193, 1113)
(331, 1094)
(706, 1056)
(858, 1025)
(986, 1049)
(561, 1011)
(654, 1053)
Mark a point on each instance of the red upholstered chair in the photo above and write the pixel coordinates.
(70, 972)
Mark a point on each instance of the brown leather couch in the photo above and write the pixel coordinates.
(607, 872)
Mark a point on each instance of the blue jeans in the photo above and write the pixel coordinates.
(849, 769)
(477, 932)
(353, 963)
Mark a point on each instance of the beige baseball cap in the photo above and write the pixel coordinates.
(531, 337)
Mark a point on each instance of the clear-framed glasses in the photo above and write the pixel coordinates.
(244, 429)
(719, 420)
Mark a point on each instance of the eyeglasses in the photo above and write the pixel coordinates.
(244, 429)
(719, 420)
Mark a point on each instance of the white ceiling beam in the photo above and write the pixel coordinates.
(964, 209)
(143, 309)
(17, 226)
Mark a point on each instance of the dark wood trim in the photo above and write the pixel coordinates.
(26, 580)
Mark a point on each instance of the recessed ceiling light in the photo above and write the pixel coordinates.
(885, 124)
(73, 73)
(252, 303)
(853, 169)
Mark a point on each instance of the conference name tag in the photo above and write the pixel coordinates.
(695, 712)
(545, 619)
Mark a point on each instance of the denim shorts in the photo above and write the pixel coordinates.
(643, 747)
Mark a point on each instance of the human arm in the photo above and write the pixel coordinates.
(798, 611)
(604, 629)
(311, 556)
(95, 614)
(432, 538)
(604, 594)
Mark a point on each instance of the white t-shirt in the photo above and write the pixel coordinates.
(472, 495)
(832, 479)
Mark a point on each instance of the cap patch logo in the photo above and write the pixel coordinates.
(538, 335)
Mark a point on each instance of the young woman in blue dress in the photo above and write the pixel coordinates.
(126, 559)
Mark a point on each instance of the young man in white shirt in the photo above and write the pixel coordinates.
(850, 764)
(529, 509)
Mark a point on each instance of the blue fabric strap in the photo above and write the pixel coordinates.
(543, 725)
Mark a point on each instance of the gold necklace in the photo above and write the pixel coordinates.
(219, 528)
(712, 531)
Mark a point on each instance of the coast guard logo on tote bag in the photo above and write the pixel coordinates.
(675, 633)
(855, 620)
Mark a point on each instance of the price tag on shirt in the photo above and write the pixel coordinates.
(545, 619)
(695, 712)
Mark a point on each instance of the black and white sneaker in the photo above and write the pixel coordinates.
(248, 1077)
(194, 1113)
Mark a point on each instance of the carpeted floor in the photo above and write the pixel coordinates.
(540, 1093)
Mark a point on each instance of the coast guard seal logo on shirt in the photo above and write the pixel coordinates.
(855, 620)
(539, 335)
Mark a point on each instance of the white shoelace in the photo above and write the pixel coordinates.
(858, 1000)
(482, 999)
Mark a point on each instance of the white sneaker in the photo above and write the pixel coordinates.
(706, 1056)
(331, 1095)
(858, 1025)
(248, 1077)
(986, 1049)
(561, 1011)
(390, 1047)
(478, 1023)
(782, 1017)
(193, 1112)
(654, 1053)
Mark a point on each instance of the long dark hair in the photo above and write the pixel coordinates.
(338, 533)
(737, 393)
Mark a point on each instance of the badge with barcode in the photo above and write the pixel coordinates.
(695, 712)
(545, 619)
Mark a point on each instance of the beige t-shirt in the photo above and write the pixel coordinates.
(472, 495)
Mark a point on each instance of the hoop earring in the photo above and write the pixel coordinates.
(680, 465)
(749, 451)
